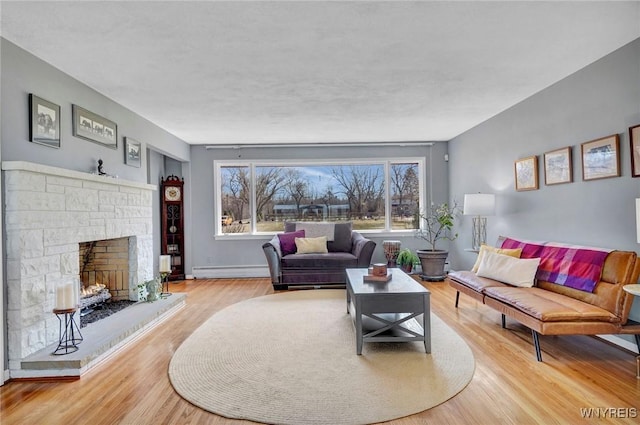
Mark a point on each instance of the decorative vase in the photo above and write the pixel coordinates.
(391, 251)
(153, 289)
(432, 264)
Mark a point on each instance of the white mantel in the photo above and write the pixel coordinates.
(79, 175)
(48, 212)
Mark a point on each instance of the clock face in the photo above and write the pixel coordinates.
(172, 193)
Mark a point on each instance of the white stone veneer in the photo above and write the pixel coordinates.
(48, 212)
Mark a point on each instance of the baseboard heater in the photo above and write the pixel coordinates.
(218, 272)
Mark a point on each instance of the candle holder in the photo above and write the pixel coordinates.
(69, 335)
(165, 281)
(165, 271)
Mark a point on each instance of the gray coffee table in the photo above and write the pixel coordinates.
(390, 307)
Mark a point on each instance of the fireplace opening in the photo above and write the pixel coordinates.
(104, 278)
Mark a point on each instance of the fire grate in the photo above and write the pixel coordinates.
(103, 311)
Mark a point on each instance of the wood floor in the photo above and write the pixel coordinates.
(509, 385)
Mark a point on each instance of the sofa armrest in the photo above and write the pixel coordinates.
(362, 248)
(273, 261)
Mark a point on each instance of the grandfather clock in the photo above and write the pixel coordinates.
(172, 221)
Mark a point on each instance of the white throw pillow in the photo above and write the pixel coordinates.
(506, 269)
(515, 252)
(312, 245)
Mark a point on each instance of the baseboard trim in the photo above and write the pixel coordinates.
(219, 272)
(620, 342)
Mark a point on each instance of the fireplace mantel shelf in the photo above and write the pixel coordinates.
(63, 172)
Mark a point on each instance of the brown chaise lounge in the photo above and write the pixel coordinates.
(551, 309)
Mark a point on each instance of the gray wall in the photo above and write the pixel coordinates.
(599, 100)
(207, 251)
(23, 73)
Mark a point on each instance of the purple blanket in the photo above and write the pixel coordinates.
(567, 265)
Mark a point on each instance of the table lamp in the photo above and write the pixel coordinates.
(479, 205)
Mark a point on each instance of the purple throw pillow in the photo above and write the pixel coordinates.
(288, 241)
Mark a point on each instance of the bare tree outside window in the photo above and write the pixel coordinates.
(405, 195)
(235, 184)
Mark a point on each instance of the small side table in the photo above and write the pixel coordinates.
(69, 334)
(635, 290)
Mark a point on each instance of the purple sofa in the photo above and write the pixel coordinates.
(347, 249)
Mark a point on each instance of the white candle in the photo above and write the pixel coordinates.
(59, 297)
(68, 296)
(76, 294)
(165, 264)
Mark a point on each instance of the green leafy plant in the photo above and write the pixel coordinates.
(407, 257)
(437, 224)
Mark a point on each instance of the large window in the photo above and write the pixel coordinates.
(256, 197)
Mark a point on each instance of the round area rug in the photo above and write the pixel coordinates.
(291, 358)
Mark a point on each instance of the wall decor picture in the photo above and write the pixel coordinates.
(557, 166)
(44, 122)
(634, 138)
(527, 173)
(132, 152)
(95, 128)
(601, 158)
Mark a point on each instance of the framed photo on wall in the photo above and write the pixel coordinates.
(634, 139)
(601, 158)
(557, 166)
(93, 127)
(526, 171)
(44, 122)
(132, 152)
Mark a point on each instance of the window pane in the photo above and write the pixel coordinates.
(270, 188)
(319, 192)
(405, 191)
(360, 190)
(236, 193)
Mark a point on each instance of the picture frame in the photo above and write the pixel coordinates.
(526, 173)
(93, 127)
(634, 141)
(601, 158)
(132, 152)
(558, 167)
(44, 122)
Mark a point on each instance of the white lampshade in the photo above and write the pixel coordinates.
(479, 204)
(165, 264)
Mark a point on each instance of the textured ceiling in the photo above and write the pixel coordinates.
(315, 72)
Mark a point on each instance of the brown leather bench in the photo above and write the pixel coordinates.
(551, 309)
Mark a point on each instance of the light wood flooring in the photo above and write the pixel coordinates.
(509, 385)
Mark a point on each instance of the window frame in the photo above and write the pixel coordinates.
(253, 164)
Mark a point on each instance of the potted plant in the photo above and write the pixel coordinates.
(406, 260)
(437, 224)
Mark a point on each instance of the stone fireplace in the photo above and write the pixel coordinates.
(49, 212)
